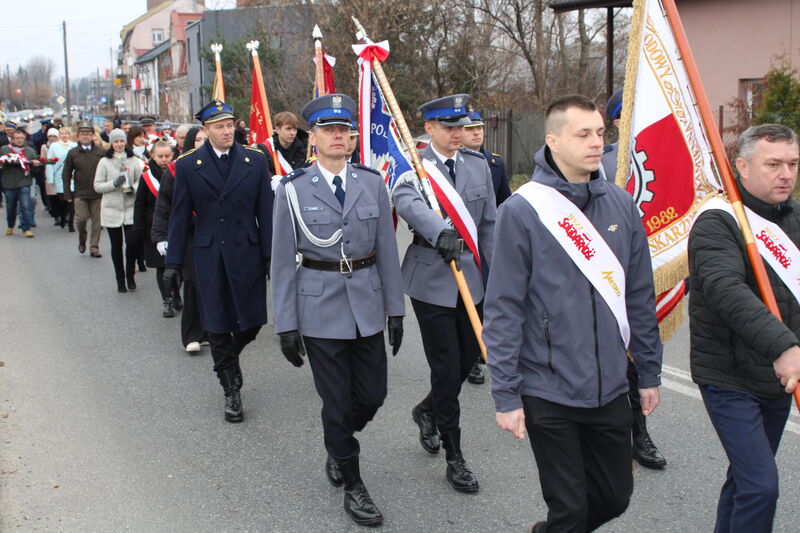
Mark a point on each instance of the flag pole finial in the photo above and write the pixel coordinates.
(253, 47)
(317, 33)
(361, 33)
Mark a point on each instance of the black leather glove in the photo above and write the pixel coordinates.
(449, 246)
(119, 180)
(268, 265)
(395, 327)
(172, 277)
(292, 347)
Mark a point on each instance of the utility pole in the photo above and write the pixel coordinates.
(68, 118)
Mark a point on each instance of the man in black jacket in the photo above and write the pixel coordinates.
(744, 359)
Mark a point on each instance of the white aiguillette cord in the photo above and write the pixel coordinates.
(297, 218)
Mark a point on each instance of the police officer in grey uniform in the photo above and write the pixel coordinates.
(336, 284)
(447, 336)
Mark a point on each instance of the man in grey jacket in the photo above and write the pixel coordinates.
(449, 341)
(555, 341)
(336, 285)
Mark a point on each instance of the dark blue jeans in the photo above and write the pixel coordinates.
(23, 196)
(750, 429)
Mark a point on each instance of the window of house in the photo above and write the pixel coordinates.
(749, 91)
(158, 36)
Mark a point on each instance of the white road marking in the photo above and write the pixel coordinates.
(693, 392)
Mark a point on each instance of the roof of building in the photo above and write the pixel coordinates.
(126, 29)
(179, 21)
(154, 52)
(560, 6)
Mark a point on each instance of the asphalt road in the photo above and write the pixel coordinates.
(107, 425)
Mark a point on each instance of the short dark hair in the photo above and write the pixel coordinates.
(128, 152)
(20, 131)
(769, 132)
(560, 106)
(286, 118)
(134, 132)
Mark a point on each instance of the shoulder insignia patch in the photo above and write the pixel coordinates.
(365, 167)
(496, 155)
(253, 148)
(293, 174)
(471, 152)
(184, 154)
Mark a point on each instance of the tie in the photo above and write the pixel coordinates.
(452, 166)
(339, 192)
(223, 157)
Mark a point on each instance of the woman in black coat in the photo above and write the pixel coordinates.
(192, 334)
(143, 210)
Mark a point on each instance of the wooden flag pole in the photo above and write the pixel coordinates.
(319, 72)
(262, 94)
(408, 140)
(723, 165)
(219, 84)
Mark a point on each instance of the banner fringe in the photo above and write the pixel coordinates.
(670, 274)
(628, 91)
(669, 324)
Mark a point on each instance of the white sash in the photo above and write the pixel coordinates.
(773, 244)
(286, 168)
(454, 206)
(584, 245)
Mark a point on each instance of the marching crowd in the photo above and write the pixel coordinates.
(566, 296)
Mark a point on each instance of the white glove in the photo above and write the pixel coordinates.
(162, 247)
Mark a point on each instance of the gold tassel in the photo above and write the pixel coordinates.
(670, 274)
(629, 93)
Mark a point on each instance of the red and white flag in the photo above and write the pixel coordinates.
(671, 167)
(259, 132)
(136, 84)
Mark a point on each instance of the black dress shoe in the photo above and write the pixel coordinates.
(644, 450)
(428, 436)
(537, 527)
(334, 472)
(357, 502)
(131, 283)
(458, 473)
(475, 375)
(81, 248)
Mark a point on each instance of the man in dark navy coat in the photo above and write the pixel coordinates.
(227, 186)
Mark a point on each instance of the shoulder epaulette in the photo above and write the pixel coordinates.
(365, 167)
(496, 155)
(184, 154)
(471, 152)
(253, 148)
(293, 174)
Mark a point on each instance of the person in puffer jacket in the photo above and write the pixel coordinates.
(556, 347)
(745, 359)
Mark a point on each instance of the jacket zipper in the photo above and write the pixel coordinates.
(549, 344)
(596, 347)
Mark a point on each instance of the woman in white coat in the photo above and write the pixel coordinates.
(116, 179)
(64, 212)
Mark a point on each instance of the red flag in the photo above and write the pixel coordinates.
(259, 133)
(327, 66)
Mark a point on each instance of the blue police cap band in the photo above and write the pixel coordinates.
(330, 115)
(617, 110)
(445, 112)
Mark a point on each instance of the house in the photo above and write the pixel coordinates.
(142, 35)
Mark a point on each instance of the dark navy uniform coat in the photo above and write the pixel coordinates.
(233, 234)
(497, 166)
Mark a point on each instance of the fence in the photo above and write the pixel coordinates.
(515, 135)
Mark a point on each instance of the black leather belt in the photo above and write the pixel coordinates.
(345, 265)
(419, 241)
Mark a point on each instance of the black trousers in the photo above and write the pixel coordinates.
(226, 347)
(451, 349)
(191, 328)
(131, 250)
(633, 383)
(350, 377)
(584, 461)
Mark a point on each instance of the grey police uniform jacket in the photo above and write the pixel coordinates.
(425, 276)
(547, 332)
(327, 304)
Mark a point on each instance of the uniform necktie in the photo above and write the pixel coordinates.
(451, 165)
(223, 157)
(338, 192)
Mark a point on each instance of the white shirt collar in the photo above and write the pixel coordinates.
(218, 152)
(328, 175)
(442, 157)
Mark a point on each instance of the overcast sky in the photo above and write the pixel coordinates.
(33, 27)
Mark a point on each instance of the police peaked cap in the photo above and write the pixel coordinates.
(330, 109)
(450, 110)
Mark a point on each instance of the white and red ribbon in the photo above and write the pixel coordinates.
(18, 158)
(286, 168)
(366, 53)
(454, 206)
